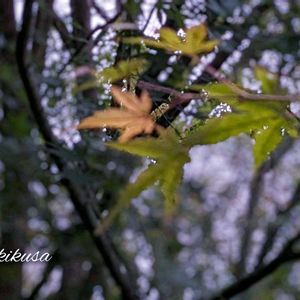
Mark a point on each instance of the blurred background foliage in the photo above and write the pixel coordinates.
(230, 221)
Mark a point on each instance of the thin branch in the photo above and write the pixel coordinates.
(159, 88)
(50, 266)
(76, 194)
(89, 36)
(272, 230)
(149, 17)
(42, 25)
(8, 19)
(178, 97)
(244, 95)
(100, 11)
(62, 29)
(255, 188)
(286, 255)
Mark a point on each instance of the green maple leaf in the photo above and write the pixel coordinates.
(266, 120)
(167, 171)
(193, 42)
(266, 140)
(123, 69)
(263, 119)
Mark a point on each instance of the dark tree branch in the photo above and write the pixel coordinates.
(149, 17)
(81, 23)
(62, 29)
(50, 266)
(100, 11)
(223, 54)
(81, 48)
(42, 25)
(81, 27)
(286, 255)
(255, 189)
(34, 102)
(7, 19)
(178, 98)
(272, 230)
(76, 194)
(244, 95)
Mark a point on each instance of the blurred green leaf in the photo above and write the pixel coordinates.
(171, 178)
(146, 179)
(269, 81)
(194, 42)
(123, 69)
(266, 140)
(141, 146)
(214, 90)
(265, 118)
(219, 129)
(167, 170)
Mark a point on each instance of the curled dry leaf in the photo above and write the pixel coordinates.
(133, 116)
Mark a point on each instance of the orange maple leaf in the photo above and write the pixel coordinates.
(133, 116)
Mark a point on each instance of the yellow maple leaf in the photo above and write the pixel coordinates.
(133, 116)
(194, 41)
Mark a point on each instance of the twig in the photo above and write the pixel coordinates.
(255, 189)
(50, 266)
(89, 36)
(62, 29)
(273, 229)
(286, 255)
(149, 17)
(244, 95)
(100, 11)
(178, 97)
